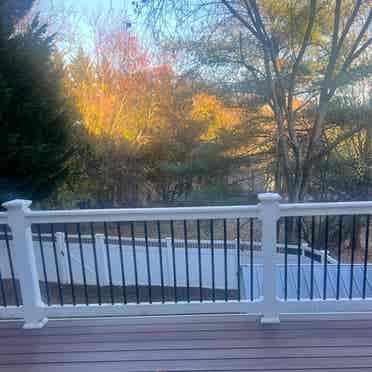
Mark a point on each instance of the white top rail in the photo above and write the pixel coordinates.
(142, 214)
(193, 213)
(324, 209)
(3, 218)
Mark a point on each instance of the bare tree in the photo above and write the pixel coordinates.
(296, 55)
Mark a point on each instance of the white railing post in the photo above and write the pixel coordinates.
(168, 262)
(102, 259)
(304, 249)
(25, 263)
(62, 257)
(269, 215)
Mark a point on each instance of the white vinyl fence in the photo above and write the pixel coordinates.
(28, 266)
(141, 259)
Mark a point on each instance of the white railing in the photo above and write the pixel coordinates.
(157, 271)
(20, 218)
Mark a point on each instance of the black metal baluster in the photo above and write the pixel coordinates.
(14, 283)
(82, 260)
(212, 261)
(339, 243)
(109, 263)
(60, 290)
(160, 246)
(285, 258)
(251, 255)
(2, 290)
(225, 259)
(69, 265)
(238, 256)
(199, 261)
(353, 243)
(366, 257)
(43, 264)
(312, 257)
(174, 262)
(123, 282)
(98, 285)
(320, 232)
(134, 261)
(278, 226)
(325, 276)
(186, 260)
(147, 262)
(299, 250)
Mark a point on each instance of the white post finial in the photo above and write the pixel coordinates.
(269, 197)
(17, 204)
(25, 263)
(269, 215)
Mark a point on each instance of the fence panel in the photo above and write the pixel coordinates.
(9, 283)
(266, 259)
(137, 262)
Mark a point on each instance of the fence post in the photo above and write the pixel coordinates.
(25, 263)
(102, 259)
(304, 249)
(168, 262)
(62, 257)
(269, 215)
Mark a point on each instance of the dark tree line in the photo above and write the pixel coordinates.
(35, 118)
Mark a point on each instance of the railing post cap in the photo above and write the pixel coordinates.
(269, 197)
(17, 204)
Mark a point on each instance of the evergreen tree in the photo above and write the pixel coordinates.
(35, 118)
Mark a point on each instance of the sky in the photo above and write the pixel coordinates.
(90, 4)
(88, 7)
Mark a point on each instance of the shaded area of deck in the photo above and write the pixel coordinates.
(341, 281)
(192, 343)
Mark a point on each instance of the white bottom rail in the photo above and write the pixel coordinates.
(305, 307)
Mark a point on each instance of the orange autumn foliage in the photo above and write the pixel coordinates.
(211, 110)
(152, 123)
(121, 95)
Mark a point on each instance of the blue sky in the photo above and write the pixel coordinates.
(86, 8)
(91, 4)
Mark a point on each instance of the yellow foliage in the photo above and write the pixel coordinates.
(150, 108)
(210, 110)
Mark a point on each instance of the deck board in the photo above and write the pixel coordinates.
(200, 343)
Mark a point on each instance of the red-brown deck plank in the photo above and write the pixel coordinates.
(200, 343)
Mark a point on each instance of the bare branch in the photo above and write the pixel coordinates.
(362, 48)
(334, 48)
(249, 67)
(307, 37)
(349, 23)
(329, 86)
(327, 149)
(305, 43)
(354, 52)
(236, 14)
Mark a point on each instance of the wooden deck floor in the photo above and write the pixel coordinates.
(200, 343)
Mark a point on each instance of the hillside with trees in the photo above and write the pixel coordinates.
(261, 95)
(300, 58)
(35, 116)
